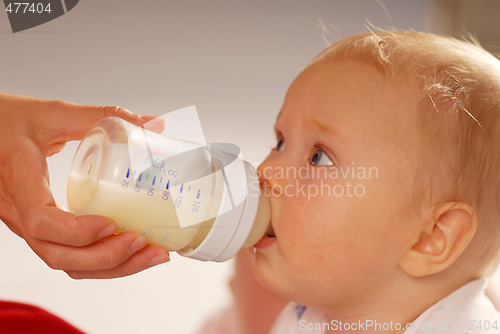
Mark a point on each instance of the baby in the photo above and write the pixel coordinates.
(384, 188)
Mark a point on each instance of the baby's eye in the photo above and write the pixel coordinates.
(280, 145)
(319, 158)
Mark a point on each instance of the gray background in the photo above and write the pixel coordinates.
(234, 60)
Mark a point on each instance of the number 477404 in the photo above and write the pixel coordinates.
(27, 7)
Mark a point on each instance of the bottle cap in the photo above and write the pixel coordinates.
(238, 209)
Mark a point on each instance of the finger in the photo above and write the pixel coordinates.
(104, 254)
(147, 257)
(69, 121)
(49, 148)
(52, 224)
(28, 188)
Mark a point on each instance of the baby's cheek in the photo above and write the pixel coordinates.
(301, 235)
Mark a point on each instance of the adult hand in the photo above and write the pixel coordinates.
(84, 247)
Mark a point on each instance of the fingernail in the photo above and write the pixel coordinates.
(159, 259)
(138, 243)
(155, 124)
(108, 230)
(146, 118)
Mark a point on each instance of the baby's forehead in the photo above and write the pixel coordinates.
(355, 95)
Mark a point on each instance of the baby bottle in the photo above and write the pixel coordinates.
(202, 201)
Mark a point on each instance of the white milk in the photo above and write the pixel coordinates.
(155, 217)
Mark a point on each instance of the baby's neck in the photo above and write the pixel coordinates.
(390, 310)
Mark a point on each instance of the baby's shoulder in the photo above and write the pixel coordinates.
(466, 310)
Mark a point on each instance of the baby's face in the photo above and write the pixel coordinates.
(342, 219)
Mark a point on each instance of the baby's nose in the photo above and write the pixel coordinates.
(270, 177)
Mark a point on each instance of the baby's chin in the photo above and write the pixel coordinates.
(272, 278)
(265, 273)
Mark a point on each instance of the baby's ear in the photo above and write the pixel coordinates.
(445, 231)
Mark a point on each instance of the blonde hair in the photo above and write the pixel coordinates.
(460, 120)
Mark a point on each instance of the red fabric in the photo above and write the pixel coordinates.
(27, 319)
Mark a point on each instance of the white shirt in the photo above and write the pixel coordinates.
(465, 311)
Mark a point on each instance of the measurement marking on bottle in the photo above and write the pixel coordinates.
(122, 228)
(198, 194)
(143, 233)
(168, 184)
(154, 180)
(163, 240)
(178, 202)
(140, 177)
(128, 173)
(182, 187)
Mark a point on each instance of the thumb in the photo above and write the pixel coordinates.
(80, 118)
(69, 121)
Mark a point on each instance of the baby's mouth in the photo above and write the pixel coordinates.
(267, 239)
(270, 231)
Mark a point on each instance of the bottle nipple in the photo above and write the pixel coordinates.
(261, 223)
